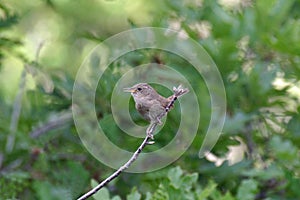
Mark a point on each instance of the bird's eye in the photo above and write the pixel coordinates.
(139, 89)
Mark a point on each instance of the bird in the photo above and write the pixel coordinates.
(151, 105)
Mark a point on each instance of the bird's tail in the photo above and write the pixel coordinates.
(178, 92)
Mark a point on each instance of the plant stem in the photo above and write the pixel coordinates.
(118, 172)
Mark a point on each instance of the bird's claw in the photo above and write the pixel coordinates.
(150, 136)
(159, 121)
(150, 142)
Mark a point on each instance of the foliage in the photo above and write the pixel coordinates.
(255, 45)
(174, 185)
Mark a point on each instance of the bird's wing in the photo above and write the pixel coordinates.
(156, 112)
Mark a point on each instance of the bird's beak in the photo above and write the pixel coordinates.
(132, 89)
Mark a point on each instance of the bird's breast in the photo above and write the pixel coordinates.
(143, 109)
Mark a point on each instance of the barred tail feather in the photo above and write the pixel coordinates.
(178, 92)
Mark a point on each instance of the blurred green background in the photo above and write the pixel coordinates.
(256, 46)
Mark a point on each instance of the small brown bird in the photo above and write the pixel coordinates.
(151, 105)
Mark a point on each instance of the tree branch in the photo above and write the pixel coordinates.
(179, 91)
(16, 112)
(118, 172)
(56, 123)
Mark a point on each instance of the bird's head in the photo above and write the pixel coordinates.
(140, 90)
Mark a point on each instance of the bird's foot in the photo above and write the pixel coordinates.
(159, 121)
(150, 135)
(150, 142)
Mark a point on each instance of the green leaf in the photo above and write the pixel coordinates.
(161, 193)
(102, 194)
(236, 123)
(8, 21)
(189, 180)
(174, 177)
(271, 172)
(247, 190)
(47, 191)
(72, 176)
(284, 150)
(294, 126)
(148, 196)
(116, 198)
(134, 195)
(217, 195)
(227, 196)
(13, 183)
(207, 191)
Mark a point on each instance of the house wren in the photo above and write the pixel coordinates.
(151, 105)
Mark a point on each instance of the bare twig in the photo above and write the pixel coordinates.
(10, 143)
(118, 172)
(52, 124)
(179, 91)
(16, 113)
(38, 51)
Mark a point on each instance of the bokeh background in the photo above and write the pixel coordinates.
(256, 46)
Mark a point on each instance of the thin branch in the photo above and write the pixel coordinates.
(16, 112)
(10, 143)
(38, 51)
(118, 172)
(52, 124)
(179, 91)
